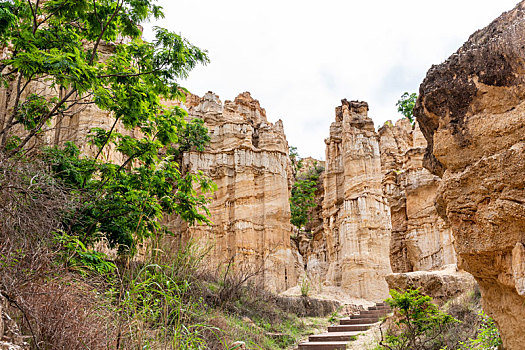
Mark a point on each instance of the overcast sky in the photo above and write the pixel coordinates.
(300, 58)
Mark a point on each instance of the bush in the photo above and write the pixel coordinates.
(488, 337)
(417, 324)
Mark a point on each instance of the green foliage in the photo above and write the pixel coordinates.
(302, 199)
(406, 105)
(488, 337)
(295, 159)
(127, 205)
(303, 196)
(156, 297)
(76, 49)
(82, 259)
(305, 287)
(418, 324)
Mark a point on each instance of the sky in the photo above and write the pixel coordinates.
(300, 58)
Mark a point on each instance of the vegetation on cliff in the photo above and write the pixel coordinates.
(406, 105)
(302, 199)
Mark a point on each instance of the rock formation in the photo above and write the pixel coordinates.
(248, 160)
(442, 285)
(352, 250)
(471, 110)
(421, 239)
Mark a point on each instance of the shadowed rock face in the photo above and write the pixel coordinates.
(471, 110)
(421, 240)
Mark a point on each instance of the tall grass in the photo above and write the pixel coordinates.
(159, 303)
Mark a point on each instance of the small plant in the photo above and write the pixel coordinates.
(82, 259)
(333, 317)
(418, 324)
(406, 105)
(488, 337)
(305, 287)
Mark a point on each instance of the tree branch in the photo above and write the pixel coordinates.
(99, 39)
(39, 126)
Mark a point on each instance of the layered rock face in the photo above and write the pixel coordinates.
(421, 239)
(248, 160)
(356, 217)
(471, 110)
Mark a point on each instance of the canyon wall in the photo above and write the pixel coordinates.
(471, 110)
(248, 160)
(351, 251)
(421, 239)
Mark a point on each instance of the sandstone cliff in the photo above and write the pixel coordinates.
(248, 160)
(352, 250)
(471, 110)
(421, 239)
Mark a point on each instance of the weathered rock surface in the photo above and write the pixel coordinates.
(248, 160)
(442, 285)
(421, 239)
(352, 250)
(471, 110)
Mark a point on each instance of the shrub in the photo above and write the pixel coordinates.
(488, 337)
(305, 287)
(417, 324)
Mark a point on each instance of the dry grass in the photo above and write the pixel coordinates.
(56, 308)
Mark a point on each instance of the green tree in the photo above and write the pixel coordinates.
(90, 52)
(417, 324)
(406, 105)
(303, 196)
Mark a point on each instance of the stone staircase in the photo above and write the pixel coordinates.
(339, 336)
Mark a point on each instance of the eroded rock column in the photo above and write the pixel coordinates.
(355, 212)
(248, 160)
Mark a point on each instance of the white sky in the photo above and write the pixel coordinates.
(300, 58)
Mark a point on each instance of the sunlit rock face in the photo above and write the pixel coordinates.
(471, 110)
(353, 251)
(421, 239)
(248, 160)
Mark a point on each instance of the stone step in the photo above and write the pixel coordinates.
(360, 317)
(325, 345)
(349, 328)
(373, 312)
(347, 321)
(333, 336)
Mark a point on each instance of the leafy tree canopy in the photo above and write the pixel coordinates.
(90, 52)
(406, 105)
